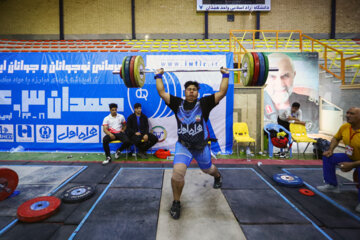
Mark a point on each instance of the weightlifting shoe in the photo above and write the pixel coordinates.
(107, 160)
(328, 188)
(357, 209)
(175, 210)
(217, 182)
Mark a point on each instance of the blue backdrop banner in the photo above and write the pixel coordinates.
(57, 101)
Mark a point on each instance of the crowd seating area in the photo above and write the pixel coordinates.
(348, 46)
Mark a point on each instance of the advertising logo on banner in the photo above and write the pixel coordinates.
(77, 134)
(296, 81)
(45, 133)
(57, 101)
(25, 133)
(6, 133)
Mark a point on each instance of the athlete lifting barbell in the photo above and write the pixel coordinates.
(255, 69)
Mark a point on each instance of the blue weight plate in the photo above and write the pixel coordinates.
(260, 80)
(288, 180)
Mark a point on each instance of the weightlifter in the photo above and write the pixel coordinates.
(191, 115)
(350, 134)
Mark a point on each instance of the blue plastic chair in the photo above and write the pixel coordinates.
(276, 127)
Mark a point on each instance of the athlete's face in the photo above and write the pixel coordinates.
(191, 93)
(113, 112)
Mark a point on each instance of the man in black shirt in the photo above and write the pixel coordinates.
(138, 131)
(191, 116)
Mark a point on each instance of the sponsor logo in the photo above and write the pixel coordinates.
(45, 133)
(191, 129)
(160, 132)
(24, 133)
(77, 133)
(6, 133)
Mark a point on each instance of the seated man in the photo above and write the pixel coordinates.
(293, 115)
(138, 131)
(350, 134)
(114, 125)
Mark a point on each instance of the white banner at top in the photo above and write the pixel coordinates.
(233, 6)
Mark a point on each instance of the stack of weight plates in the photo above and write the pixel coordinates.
(131, 71)
(257, 69)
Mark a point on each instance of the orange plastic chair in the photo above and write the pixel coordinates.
(241, 134)
(298, 134)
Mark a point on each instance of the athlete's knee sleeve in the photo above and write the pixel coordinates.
(210, 170)
(179, 172)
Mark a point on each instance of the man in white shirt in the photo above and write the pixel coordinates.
(114, 126)
(293, 115)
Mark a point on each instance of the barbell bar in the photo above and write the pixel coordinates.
(255, 68)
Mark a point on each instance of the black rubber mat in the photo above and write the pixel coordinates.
(125, 214)
(94, 174)
(139, 178)
(282, 232)
(261, 206)
(26, 231)
(64, 232)
(241, 179)
(77, 211)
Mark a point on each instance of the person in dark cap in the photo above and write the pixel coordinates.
(138, 131)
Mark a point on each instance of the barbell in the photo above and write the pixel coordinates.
(255, 69)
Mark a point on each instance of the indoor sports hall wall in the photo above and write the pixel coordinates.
(112, 19)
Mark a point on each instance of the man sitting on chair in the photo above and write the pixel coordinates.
(114, 126)
(350, 134)
(293, 115)
(138, 131)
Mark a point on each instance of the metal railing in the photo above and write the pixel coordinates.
(335, 63)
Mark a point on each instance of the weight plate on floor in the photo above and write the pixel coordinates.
(306, 192)
(8, 182)
(132, 77)
(77, 193)
(256, 69)
(38, 209)
(127, 72)
(261, 70)
(266, 69)
(248, 63)
(288, 180)
(139, 66)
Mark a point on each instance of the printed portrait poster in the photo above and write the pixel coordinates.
(296, 80)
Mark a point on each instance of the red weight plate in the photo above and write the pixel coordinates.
(38, 209)
(8, 182)
(306, 192)
(256, 69)
(132, 78)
